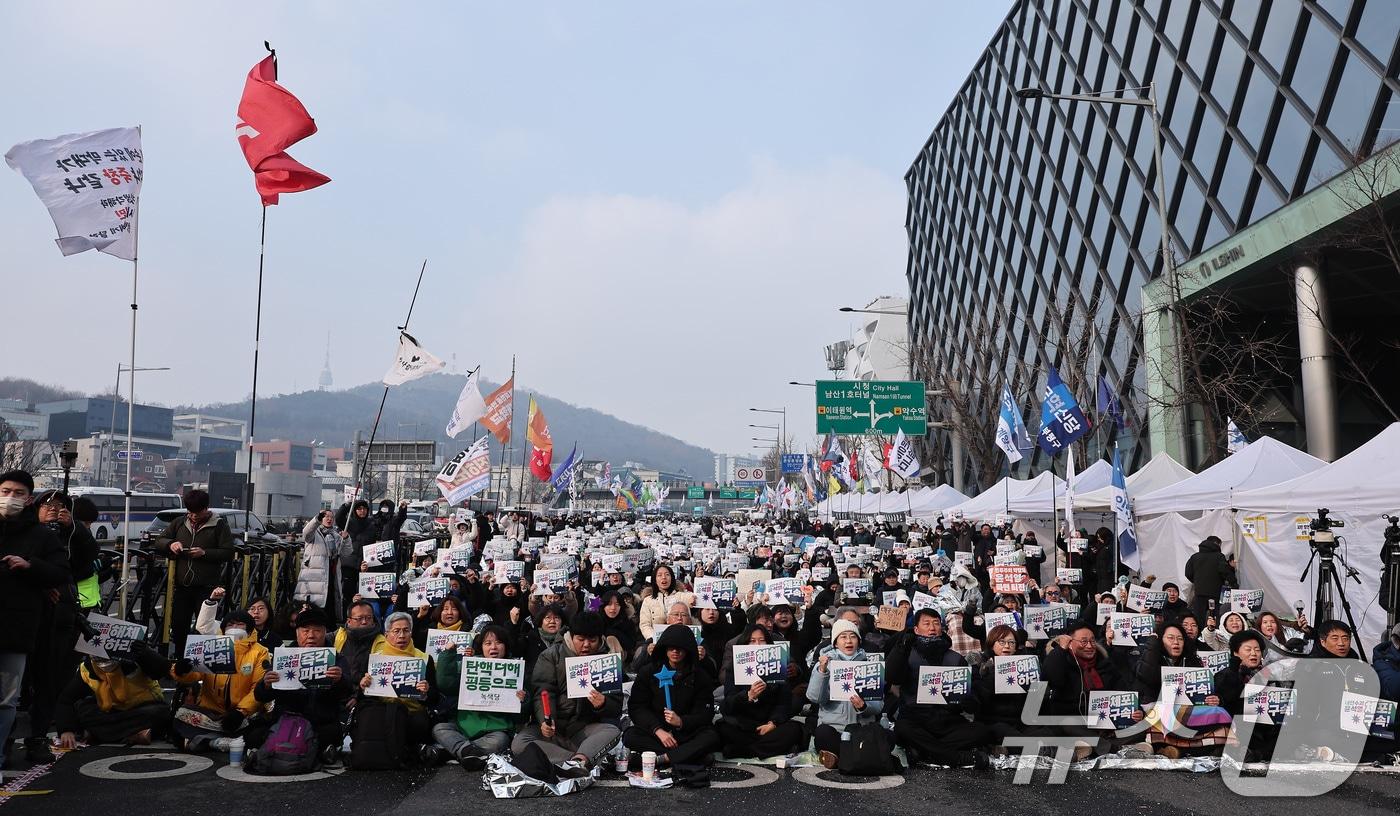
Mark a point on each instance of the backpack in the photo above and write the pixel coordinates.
(867, 752)
(379, 737)
(290, 748)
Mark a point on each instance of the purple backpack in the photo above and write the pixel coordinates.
(291, 748)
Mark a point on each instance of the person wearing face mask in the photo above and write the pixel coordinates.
(319, 553)
(225, 701)
(32, 562)
(939, 734)
(357, 639)
(114, 701)
(199, 545)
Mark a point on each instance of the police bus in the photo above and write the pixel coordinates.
(111, 507)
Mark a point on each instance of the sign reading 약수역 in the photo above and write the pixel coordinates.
(871, 406)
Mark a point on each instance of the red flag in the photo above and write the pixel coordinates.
(542, 446)
(270, 120)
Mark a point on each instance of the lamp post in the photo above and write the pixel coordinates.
(1168, 263)
(130, 415)
(112, 422)
(900, 313)
(782, 434)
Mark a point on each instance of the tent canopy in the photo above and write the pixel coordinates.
(989, 502)
(929, 503)
(1158, 473)
(1364, 482)
(1098, 475)
(1264, 462)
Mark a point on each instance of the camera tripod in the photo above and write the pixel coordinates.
(1390, 575)
(1324, 551)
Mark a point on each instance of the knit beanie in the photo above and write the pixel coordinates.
(842, 626)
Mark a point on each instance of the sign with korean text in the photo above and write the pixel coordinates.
(1112, 709)
(114, 637)
(943, 685)
(764, 662)
(302, 668)
(1008, 579)
(376, 584)
(601, 673)
(863, 677)
(1193, 684)
(1014, 674)
(394, 676)
(212, 654)
(491, 685)
(439, 639)
(1128, 627)
(1269, 705)
(715, 593)
(379, 554)
(428, 592)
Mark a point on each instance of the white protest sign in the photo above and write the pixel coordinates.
(378, 585)
(395, 676)
(439, 639)
(584, 675)
(1128, 627)
(114, 637)
(863, 677)
(428, 592)
(491, 685)
(379, 553)
(1013, 674)
(212, 654)
(943, 685)
(301, 667)
(761, 662)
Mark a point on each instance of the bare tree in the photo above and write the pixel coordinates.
(17, 453)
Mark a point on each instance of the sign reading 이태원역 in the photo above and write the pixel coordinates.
(871, 406)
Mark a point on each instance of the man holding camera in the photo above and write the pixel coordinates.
(32, 562)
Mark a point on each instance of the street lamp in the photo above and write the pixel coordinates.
(1149, 102)
(111, 432)
(112, 423)
(782, 433)
(809, 385)
(900, 313)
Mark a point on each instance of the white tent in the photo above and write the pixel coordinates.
(987, 504)
(1040, 502)
(1357, 488)
(929, 503)
(1264, 462)
(1161, 471)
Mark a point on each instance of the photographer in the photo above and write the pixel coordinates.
(32, 562)
(198, 545)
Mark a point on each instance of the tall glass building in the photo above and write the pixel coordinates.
(1033, 224)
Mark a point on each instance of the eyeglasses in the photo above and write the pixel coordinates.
(400, 630)
(362, 618)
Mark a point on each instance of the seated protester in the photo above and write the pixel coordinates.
(758, 613)
(577, 728)
(450, 615)
(225, 701)
(1000, 713)
(471, 736)
(834, 717)
(1246, 659)
(717, 626)
(1218, 638)
(398, 642)
(1209, 724)
(1175, 607)
(934, 733)
(549, 627)
(1269, 625)
(1071, 672)
(785, 628)
(1323, 701)
(757, 719)
(677, 615)
(1385, 659)
(677, 725)
(356, 640)
(207, 623)
(114, 701)
(619, 630)
(323, 708)
(665, 591)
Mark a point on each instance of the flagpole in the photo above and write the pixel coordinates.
(524, 451)
(505, 474)
(253, 400)
(360, 471)
(130, 408)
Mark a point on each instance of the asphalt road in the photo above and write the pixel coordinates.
(117, 781)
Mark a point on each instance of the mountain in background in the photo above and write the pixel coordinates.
(420, 410)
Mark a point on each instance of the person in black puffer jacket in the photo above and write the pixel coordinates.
(1209, 571)
(934, 733)
(758, 718)
(1001, 713)
(680, 733)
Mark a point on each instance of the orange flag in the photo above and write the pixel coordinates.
(542, 447)
(499, 407)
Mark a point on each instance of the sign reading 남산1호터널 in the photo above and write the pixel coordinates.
(871, 406)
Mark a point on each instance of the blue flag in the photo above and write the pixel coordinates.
(1011, 431)
(1123, 511)
(1061, 419)
(564, 476)
(1107, 403)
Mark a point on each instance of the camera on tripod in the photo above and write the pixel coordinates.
(1322, 538)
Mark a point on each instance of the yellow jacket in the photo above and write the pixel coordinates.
(116, 690)
(384, 647)
(221, 692)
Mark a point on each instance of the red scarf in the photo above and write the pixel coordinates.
(1092, 681)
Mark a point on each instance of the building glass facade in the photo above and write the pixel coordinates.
(1032, 223)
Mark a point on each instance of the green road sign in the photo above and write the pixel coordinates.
(748, 493)
(871, 406)
(728, 493)
(695, 492)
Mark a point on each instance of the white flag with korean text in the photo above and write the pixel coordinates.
(91, 185)
(902, 458)
(412, 362)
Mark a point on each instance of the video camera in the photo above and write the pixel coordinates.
(1323, 539)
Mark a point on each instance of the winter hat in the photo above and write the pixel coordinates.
(842, 626)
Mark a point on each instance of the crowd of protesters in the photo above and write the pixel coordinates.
(682, 702)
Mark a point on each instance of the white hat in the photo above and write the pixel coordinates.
(840, 627)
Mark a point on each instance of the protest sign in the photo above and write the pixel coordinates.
(922, 600)
(612, 562)
(508, 572)
(1112, 709)
(1246, 601)
(660, 628)
(1142, 599)
(1009, 560)
(428, 592)
(114, 637)
(1193, 684)
(762, 662)
(1215, 661)
(394, 676)
(991, 620)
(863, 677)
(1269, 705)
(820, 574)
(962, 559)
(427, 546)
(377, 585)
(456, 560)
(1368, 715)
(748, 578)
(1013, 674)
(567, 563)
(784, 590)
(1043, 622)
(1069, 575)
(1128, 627)
(1076, 545)
(488, 684)
(602, 673)
(302, 668)
(1008, 579)
(943, 685)
(1104, 610)
(212, 654)
(856, 588)
(551, 582)
(891, 619)
(715, 593)
(438, 639)
(379, 554)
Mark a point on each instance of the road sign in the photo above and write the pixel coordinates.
(695, 492)
(871, 406)
(122, 456)
(749, 494)
(728, 493)
(793, 462)
(756, 475)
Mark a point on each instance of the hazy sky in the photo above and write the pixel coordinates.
(657, 206)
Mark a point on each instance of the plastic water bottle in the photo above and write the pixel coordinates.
(235, 752)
